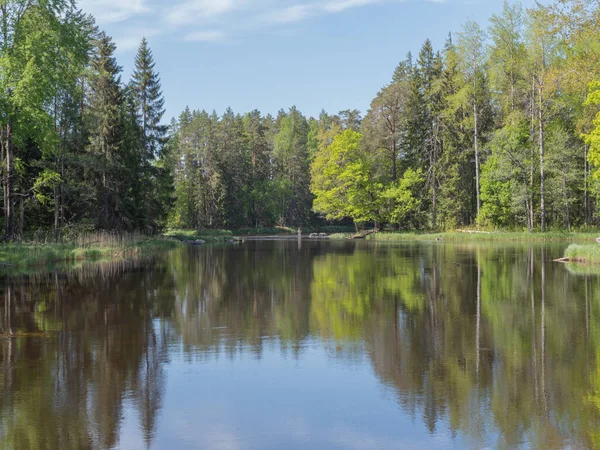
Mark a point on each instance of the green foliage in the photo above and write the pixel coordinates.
(341, 180)
(47, 181)
(496, 195)
(401, 199)
(495, 123)
(593, 137)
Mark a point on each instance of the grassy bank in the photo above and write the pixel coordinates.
(216, 236)
(589, 254)
(458, 236)
(210, 236)
(92, 247)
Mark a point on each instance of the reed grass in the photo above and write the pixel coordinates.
(214, 236)
(583, 253)
(84, 247)
(458, 236)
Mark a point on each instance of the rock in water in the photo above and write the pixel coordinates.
(197, 242)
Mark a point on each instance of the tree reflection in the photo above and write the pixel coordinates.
(496, 342)
(67, 363)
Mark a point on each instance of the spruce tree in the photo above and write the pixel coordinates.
(149, 106)
(149, 101)
(105, 130)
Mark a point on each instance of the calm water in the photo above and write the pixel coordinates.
(334, 345)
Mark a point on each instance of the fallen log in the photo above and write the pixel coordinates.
(363, 234)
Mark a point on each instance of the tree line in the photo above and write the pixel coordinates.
(499, 128)
(79, 148)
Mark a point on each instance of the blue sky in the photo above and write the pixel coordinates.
(272, 54)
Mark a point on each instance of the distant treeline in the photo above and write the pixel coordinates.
(499, 128)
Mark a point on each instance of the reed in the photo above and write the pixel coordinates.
(469, 235)
(86, 246)
(583, 253)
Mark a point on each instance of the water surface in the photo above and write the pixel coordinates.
(318, 344)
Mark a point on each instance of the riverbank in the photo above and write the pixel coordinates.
(467, 235)
(96, 247)
(220, 236)
(107, 246)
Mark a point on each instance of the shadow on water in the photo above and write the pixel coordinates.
(495, 343)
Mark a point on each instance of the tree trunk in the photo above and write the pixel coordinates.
(21, 217)
(531, 167)
(541, 146)
(56, 213)
(4, 179)
(434, 180)
(566, 200)
(476, 141)
(394, 155)
(586, 201)
(528, 206)
(10, 169)
(5, 204)
(434, 206)
(105, 201)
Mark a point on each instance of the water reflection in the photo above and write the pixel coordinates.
(74, 347)
(482, 345)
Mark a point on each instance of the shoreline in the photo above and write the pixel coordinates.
(21, 257)
(467, 236)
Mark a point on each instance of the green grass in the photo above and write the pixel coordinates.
(210, 236)
(93, 247)
(216, 236)
(457, 236)
(583, 253)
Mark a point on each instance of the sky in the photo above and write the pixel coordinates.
(274, 54)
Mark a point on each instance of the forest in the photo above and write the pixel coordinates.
(498, 129)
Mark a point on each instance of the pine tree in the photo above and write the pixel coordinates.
(106, 128)
(149, 105)
(428, 73)
(474, 92)
(291, 154)
(454, 174)
(149, 101)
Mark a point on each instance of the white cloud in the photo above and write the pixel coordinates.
(290, 14)
(342, 5)
(303, 10)
(206, 36)
(130, 40)
(193, 11)
(109, 11)
(208, 20)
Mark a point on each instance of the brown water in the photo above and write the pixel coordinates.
(327, 345)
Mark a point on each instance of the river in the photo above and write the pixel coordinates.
(280, 344)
